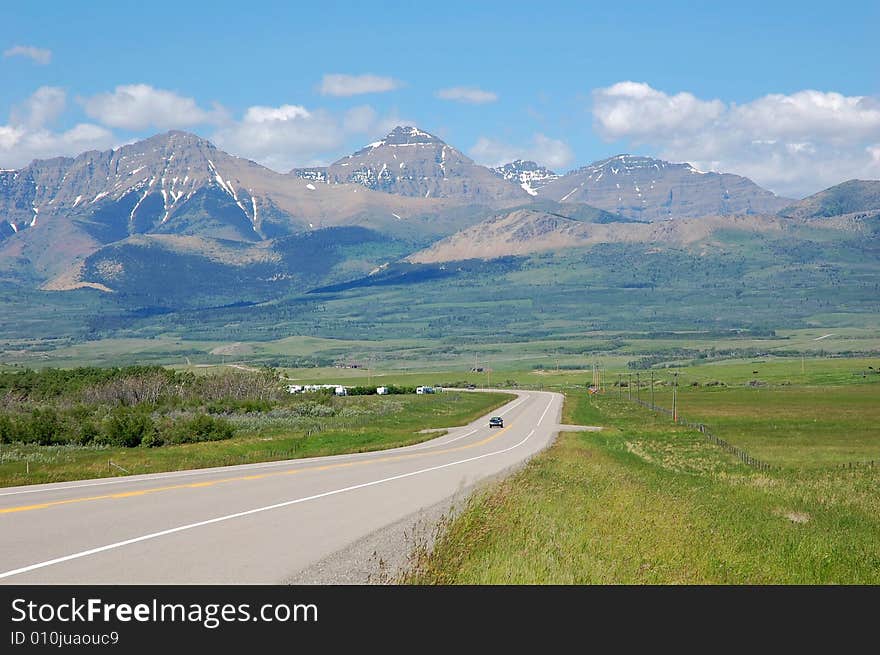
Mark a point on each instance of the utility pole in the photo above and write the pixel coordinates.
(639, 387)
(674, 406)
(652, 390)
(619, 388)
(629, 386)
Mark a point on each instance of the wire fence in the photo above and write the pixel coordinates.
(857, 465)
(736, 451)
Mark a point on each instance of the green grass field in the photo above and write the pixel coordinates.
(774, 370)
(365, 423)
(646, 501)
(800, 427)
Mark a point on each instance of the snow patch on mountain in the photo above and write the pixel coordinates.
(529, 175)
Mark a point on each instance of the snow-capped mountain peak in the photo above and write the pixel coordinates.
(530, 175)
(411, 162)
(401, 136)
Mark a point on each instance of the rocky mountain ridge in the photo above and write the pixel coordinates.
(652, 189)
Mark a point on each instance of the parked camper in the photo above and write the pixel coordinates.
(314, 388)
(382, 391)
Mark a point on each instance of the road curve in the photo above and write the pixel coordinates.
(256, 523)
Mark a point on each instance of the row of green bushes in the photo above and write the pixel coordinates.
(123, 426)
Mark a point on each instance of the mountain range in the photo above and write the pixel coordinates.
(207, 224)
(652, 189)
(412, 163)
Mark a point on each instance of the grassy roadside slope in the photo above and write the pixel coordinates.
(366, 423)
(644, 501)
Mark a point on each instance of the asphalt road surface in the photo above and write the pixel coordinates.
(257, 523)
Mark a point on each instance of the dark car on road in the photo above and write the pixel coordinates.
(496, 422)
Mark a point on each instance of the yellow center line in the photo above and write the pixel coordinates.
(258, 476)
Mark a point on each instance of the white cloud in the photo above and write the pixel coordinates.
(467, 94)
(278, 137)
(29, 136)
(40, 56)
(43, 107)
(360, 119)
(338, 84)
(553, 153)
(141, 106)
(793, 144)
(292, 135)
(20, 145)
(634, 109)
(284, 113)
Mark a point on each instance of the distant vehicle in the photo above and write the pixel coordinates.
(424, 390)
(471, 386)
(496, 422)
(340, 391)
(311, 388)
(382, 391)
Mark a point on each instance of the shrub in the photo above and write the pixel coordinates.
(8, 432)
(312, 409)
(196, 429)
(127, 427)
(87, 432)
(238, 406)
(42, 427)
(362, 391)
(395, 389)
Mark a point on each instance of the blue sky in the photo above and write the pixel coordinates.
(721, 85)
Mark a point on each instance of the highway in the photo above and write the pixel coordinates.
(250, 524)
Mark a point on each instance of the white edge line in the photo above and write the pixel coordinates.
(256, 466)
(258, 510)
